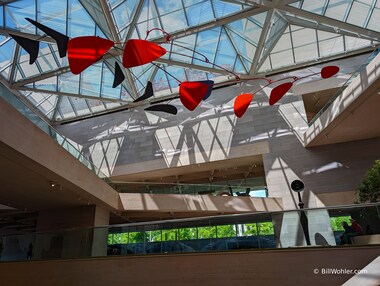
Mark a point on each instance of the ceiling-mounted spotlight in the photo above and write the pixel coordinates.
(52, 184)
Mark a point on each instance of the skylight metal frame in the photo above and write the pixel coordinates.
(100, 9)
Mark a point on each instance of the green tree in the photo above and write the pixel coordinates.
(226, 231)
(369, 189)
(207, 232)
(336, 222)
(188, 233)
(265, 228)
(169, 234)
(137, 236)
(250, 229)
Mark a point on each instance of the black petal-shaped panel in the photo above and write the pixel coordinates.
(119, 76)
(167, 108)
(61, 39)
(30, 46)
(148, 92)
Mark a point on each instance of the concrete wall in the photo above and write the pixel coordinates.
(281, 267)
(190, 203)
(136, 141)
(20, 134)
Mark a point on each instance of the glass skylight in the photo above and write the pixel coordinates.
(211, 39)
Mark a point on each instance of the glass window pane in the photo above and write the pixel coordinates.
(68, 83)
(374, 22)
(16, 12)
(314, 6)
(282, 59)
(90, 80)
(52, 13)
(358, 14)
(199, 13)
(223, 8)
(6, 53)
(207, 43)
(79, 22)
(337, 9)
(174, 21)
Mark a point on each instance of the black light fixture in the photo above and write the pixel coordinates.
(298, 186)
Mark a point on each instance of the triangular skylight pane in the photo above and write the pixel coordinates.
(96, 105)
(245, 48)
(66, 109)
(374, 21)
(247, 29)
(48, 104)
(195, 75)
(199, 13)
(90, 80)
(224, 8)
(143, 75)
(107, 90)
(80, 23)
(172, 16)
(266, 66)
(207, 43)
(36, 97)
(18, 75)
(52, 14)
(315, 6)
(123, 14)
(353, 43)
(160, 82)
(148, 19)
(15, 14)
(226, 53)
(5, 73)
(304, 42)
(337, 9)
(46, 59)
(80, 106)
(275, 32)
(68, 82)
(27, 69)
(178, 74)
(355, 12)
(6, 52)
(111, 105)
(179, 53)
(330, 44)
(2, 16)
(239, 67)
(47, 84)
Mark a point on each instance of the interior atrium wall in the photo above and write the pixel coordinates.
(135, 141)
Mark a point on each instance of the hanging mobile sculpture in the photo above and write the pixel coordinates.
(84, 51)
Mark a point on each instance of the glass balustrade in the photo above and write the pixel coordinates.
(254, 231)
(251, 188)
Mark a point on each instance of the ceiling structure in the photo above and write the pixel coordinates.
(250, 38)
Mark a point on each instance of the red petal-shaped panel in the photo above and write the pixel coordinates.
(191, 93)
(84, 51)
(279, 91)
(140, 52)
(329, 71)
(241, 103)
